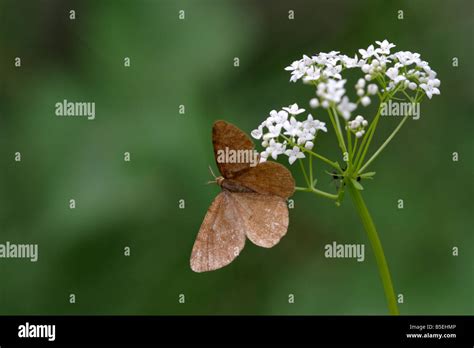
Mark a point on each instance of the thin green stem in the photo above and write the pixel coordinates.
(349, 143)
(370, 133)
(322, 158)
(354, 150)
(366, 136)
(374, 239)
(308, 183)
(367, 140)
(385, 143)
(338, 124)
(337, 129)
(317, 192)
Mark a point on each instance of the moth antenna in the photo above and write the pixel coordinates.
(212, 173)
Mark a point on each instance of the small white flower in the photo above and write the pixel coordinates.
(278, 117)
(314, 103)
(345, 108)
(350, 62)
(435, 82)
(305, 135)
(294, 66)
(407, 58)
(333, 71)
(412, 85)
(309, 145)
(294, 109)
(307, 60)
(294, 154)
(385, 47)
(263, 156)
(274, 149)
(372, 89)
(257, 133)
(353, 125)
(292, 127)
(393, 73)
(367, 53)
(321, 126)
(360, 84)
(298, 69)
(312, 74)
(331, 91)
(313, 125)
(274, 131)
(430, 89)
(365, 101)
(357, 125)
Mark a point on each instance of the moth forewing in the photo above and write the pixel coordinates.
(225, 137)
(268, 178)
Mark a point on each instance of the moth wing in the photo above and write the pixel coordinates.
(268, 178)
(226, 135)
(221, 237)
(265, 216)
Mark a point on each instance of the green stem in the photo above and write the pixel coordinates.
(376, 247)
(367, 139)
(368, 136)
(337, 130)
(317, 155)
(308, 183)
(349, 143)
(354, 150)
(374, 156)
(317, 192)
(322, 158)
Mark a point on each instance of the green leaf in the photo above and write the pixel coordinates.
(367, 175)
(356, 184)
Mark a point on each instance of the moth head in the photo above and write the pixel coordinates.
(220, 180)
(217, 180)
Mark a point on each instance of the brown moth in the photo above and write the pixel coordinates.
(252, 204)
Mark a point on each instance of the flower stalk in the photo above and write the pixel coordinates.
(386, 76)
(374, 239)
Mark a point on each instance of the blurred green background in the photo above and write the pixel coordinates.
(135, 204)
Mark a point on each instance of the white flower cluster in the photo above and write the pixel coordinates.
(357, 126)
(372, 89)
(384, 75)
(413, 72)
(401, 69)
(296, 134)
